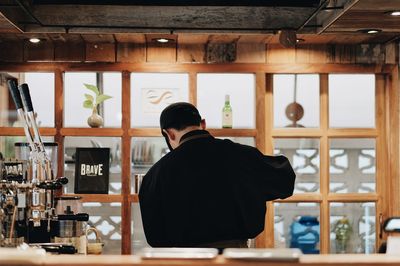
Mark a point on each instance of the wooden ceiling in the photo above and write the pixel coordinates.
(328, 22)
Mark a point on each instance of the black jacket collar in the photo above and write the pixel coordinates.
(195, 134)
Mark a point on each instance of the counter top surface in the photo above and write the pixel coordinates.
(91, 260)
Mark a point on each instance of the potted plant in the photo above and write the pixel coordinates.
(91, 102)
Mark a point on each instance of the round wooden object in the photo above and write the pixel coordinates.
(294, 112)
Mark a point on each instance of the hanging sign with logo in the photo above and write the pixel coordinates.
(92, 170)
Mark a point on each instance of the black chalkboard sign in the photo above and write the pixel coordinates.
(92, 169)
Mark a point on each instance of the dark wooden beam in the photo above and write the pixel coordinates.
(285, 3)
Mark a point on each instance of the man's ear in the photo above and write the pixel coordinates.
(170, 133)
(203, 123)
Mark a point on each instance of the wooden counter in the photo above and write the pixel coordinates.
(77, 260)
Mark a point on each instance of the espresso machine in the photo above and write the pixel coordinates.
(27, 204)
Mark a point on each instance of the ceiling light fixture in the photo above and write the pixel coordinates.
(299, 40)
(162, 40)
(370, 31)
(394, 13)
(34, 40)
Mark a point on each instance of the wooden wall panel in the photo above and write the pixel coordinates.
(161, 53)
(247, 52)
(131, 52)
(100, 52)
(43, 51)
(11, 52)
(311, 53)
(343, 54)
(157, 52)
(278, 54)
(198, 49)
(370, 54)
(391, 53)
(191, 53)
(221, 52)
(191, 48)
(72, 52)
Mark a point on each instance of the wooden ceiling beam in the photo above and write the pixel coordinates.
(335, 15)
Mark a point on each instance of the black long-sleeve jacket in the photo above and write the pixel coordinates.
(210, 190)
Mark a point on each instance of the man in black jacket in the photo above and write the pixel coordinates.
(208, 192)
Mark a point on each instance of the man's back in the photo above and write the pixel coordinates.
(210, 190)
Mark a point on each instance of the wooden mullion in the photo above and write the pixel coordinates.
(352, 132)
(393, 137)
(331, 132)
(382, 167)
(260, 111)
(324, 102)
(126, 212)
(296, 132)
(98, 132)
(107, 198)
(262, 239)
(324, 184)
(266, 238)
(193, 88)
(144, 132)
(19, 131)
(353, 197)
(324, 164)
(269, 109)
(134, 198)
(59, 120)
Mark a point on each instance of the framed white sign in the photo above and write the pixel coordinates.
(154, 100)
(152, 92)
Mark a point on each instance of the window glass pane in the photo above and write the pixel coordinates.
(145, 152)
(211, 91)
(296, 225)
(352, 165)
(303, 154)
(106, 218)
(40, 84)
(352, 227)
(7, 144)
(296, 100)
(75, 115)
(112, 111)
(114, 143)
(138, 237)
(352, 100)
(152, 92)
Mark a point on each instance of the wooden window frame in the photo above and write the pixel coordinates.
(386, 132)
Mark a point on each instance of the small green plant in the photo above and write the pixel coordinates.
(92, 102)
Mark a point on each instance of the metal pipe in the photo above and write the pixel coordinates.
(321, 6)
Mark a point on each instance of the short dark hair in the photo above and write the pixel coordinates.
(179, 116)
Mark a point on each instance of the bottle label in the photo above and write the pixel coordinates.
(227, 119)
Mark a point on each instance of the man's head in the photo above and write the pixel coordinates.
(178, 119)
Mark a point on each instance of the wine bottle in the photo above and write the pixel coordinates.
(227, 113)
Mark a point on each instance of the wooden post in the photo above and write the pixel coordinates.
(126, 211)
